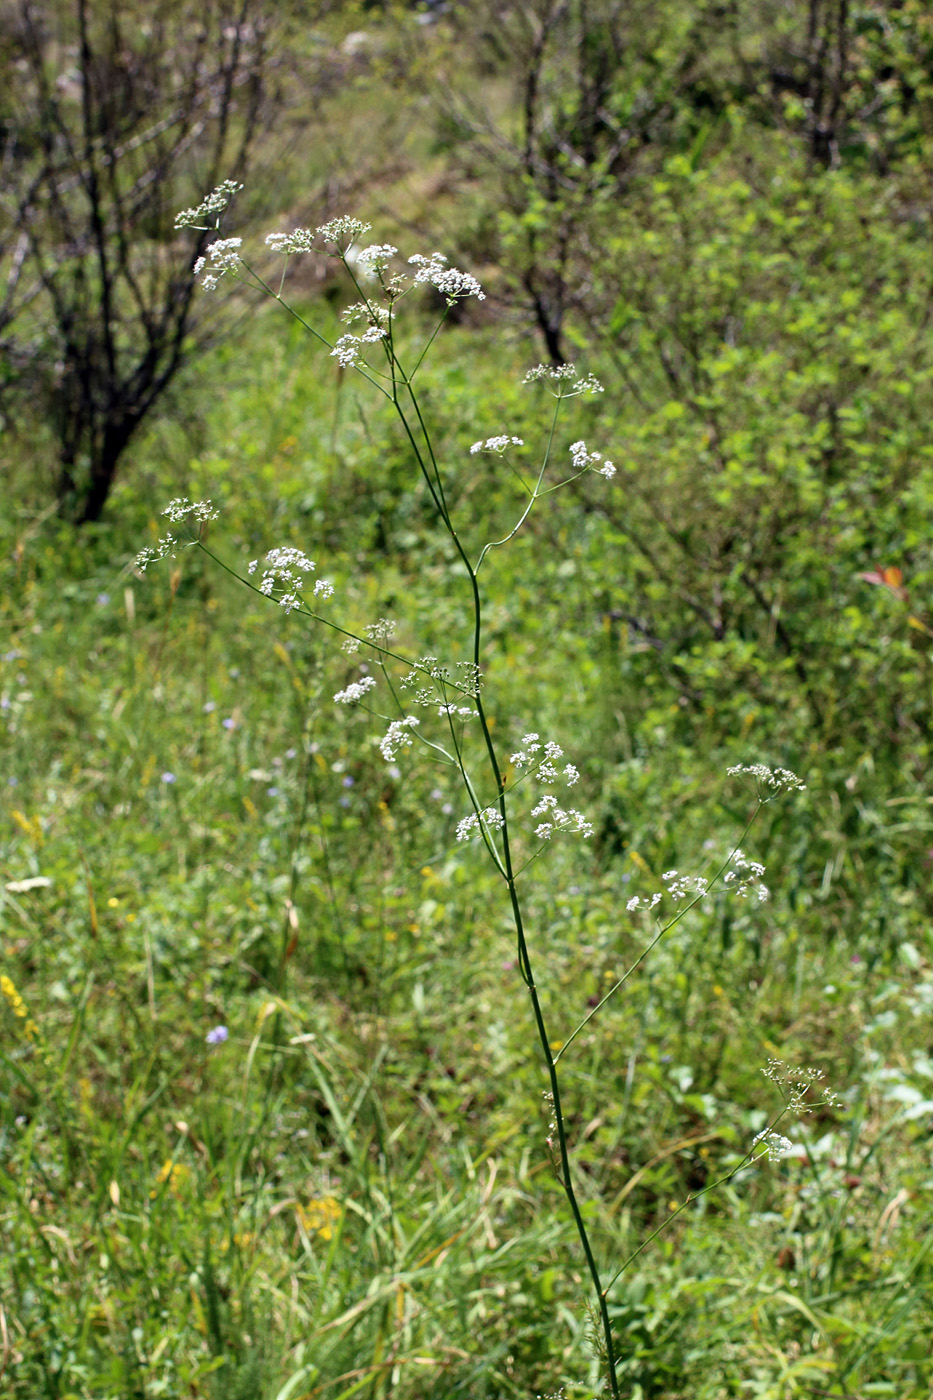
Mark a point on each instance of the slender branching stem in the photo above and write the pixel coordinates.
(505, 865)
(660, 934)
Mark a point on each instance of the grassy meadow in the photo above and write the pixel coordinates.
(273, 1121)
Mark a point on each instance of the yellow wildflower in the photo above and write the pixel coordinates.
(17, 1005)
(20, 1010)
(320, 1216)
(177, 1174)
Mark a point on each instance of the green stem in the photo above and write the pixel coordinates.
(693, 1196)
(535, 495)
(524, 956)
(656, 940)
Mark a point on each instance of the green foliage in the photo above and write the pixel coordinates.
(352, 1195)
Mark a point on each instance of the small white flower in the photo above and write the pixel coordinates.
(347, 348)
(152, 553)
(559, 375)
(684, 886)
(397, 736)
(343, 230)
(178, 511)
(288, 557)
(381, 632)
(584, 460)
(588, 385)
(181, 508)
(777, 1146)
(355, 691)
(490, 819)
(497, 444)
(560, 820)
(300, 240)
(744, 875)
(555, 373)
(216, 201)
(774, 780)
(282, 570)
(449, 281)
(360, 311)
(222, 255)
(531, 745)
(377, 256)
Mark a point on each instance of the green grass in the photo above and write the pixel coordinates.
(352, 1194)
(378, 1059)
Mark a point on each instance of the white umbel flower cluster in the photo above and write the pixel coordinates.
(219, 257)
(489, 819)
(345, 234)
(214, 203)
(177, 511)
(770, 781)
(562, 380)
(344, 230)
(590, 461)
(449, 281)
(684, 886)
(776, 1145)
(559, 820)
(282, 577)
(348, 350)
(376, 257)
(743, 876)
(355, 691)
(636, 902)
(398, 736)
(153, 552)
(545, 765)
(300, 240)
(497, 444)
(540, 759)
(366, 311)
(801, 1086)
(467, 682)
(182, 509)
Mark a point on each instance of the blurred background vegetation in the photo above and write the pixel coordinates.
(725, 211)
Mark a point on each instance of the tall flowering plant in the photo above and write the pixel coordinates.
(515, 805)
